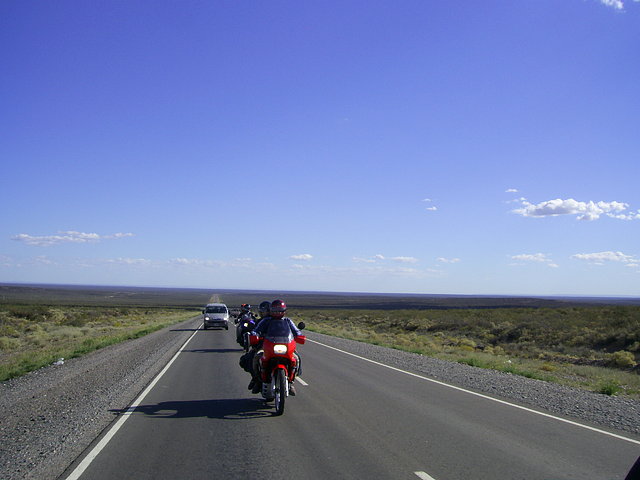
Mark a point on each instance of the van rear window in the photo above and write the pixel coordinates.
(216, 310)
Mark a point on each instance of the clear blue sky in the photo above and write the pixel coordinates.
(419, 146)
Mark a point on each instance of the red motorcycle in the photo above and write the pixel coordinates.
(278, 364)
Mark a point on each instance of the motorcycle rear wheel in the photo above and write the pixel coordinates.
(280, 390)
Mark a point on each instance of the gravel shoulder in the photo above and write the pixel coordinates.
(617, 414)
(49, 417)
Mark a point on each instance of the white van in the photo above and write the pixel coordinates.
(216, 315)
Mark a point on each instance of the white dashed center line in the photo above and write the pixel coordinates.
(424, 476)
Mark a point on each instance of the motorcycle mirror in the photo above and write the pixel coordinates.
(301, 325)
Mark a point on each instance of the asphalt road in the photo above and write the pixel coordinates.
(350, 419)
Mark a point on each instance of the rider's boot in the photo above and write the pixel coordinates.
(292, 390)
(257, 387)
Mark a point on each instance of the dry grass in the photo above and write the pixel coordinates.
(579, 347)
(35, 336)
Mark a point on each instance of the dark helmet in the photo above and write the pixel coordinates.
(245, 307)
(264, 308)
(278, 308)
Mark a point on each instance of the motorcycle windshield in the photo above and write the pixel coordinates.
(279, 332)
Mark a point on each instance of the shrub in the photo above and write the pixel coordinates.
(609, 387)
(57, 316)
(9, 331)
(622, 359)
(467, 344)
(472, 362)
(7, 343)
(498, 350)
(548, 367)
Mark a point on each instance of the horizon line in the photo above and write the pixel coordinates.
(326, 292)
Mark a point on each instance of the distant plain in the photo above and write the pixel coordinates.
(589, 343)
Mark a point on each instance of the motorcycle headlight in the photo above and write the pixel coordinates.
(245, 325)
(206, 318)
(280, 349)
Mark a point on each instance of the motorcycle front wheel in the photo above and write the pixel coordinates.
(280, 390)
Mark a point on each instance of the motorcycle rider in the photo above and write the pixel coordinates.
(276, 313)
(245, 312)
(246, 361)
(254, 384)
(263, 309)
(246, 315)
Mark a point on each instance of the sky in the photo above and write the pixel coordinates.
(480, 148)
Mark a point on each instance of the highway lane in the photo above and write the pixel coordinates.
(353, 419)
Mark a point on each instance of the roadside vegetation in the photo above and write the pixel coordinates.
(592, 344)
(595, 347)
(33, 336)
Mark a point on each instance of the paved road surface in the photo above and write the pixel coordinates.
(353, 420)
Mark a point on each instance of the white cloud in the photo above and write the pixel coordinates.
(70, 236)
(380, 258)
(600, 258)
(235, 263)
(629, 216)
(617, 4)
(119, 235)
(302, 256)
(511, 190)
(374, 259)
(129, 261)
(244, 262)
(584, 210)
(185, 261)
(535, 258)
(359, 271)
(363, 260)
(432, 208)
(43, 260)
(405, 259)
(194, 262)
(448, 260)
(527, 257)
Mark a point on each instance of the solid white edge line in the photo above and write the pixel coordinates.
(530, 410)
(86, 461)
(424, 476)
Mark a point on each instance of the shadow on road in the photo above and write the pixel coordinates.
(224, 409)
(184, 329)
(634, 473)
(213, 350)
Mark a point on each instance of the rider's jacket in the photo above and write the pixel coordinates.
(247, 317)
(263, 326)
